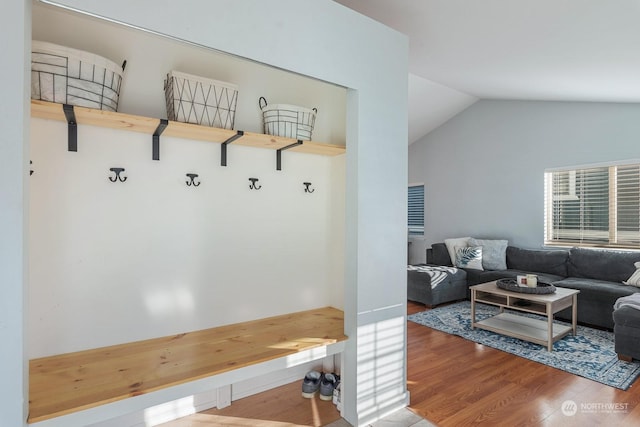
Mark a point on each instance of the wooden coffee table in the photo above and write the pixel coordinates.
(521, 327)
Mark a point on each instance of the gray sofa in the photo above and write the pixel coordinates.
(597, 274)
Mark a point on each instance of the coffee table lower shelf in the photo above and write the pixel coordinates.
(524, 328)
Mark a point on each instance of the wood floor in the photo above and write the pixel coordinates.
(455, 382)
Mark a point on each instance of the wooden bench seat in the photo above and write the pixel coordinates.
(72, 382)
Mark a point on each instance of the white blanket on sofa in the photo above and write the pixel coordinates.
(632, 300)
(438, 273)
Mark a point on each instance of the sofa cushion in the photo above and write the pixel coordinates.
(438, 255)
(627, 317)
(494, 253)
(595, 300)
(538, 260)
(601, 290)
(608, 265)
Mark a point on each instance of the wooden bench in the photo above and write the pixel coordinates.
(67, 383)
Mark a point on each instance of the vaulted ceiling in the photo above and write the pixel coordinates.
(554, 50)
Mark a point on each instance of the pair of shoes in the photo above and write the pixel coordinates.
(328, 384)
(311, 384)
(315, 381)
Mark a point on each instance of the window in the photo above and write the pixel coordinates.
(416, 210)
(593, 206)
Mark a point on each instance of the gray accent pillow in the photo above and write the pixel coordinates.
(494, 253)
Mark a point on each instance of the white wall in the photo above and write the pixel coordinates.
(14, 176)
(346, 48)
(119, 262)
(483, 169)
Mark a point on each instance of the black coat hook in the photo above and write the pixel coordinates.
(192, 177)
(306, 187)
(31, 171)
(117, 177)
(253, 185)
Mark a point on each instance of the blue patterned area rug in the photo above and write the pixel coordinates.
(589, 354)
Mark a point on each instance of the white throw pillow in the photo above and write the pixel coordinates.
(451, 246)
(494, 253)
(634, 280)
(469, 257)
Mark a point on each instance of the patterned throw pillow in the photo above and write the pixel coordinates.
(469, 257)
(634, 280)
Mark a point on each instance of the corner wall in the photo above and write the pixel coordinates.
(484, 169)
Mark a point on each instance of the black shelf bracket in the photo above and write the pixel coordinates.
(156, 138)
(223, 147)
(279, 153)
(72, 127)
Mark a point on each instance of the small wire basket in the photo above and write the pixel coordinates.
(289, 121)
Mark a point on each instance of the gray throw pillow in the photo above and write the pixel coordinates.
(494, 253)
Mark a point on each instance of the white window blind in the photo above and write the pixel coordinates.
(416, 210)
(628, 205)
(594, 206)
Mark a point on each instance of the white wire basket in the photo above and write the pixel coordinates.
(290, 121)
(200, 100)
(70, 76)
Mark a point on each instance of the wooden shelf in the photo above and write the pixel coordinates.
(509, 301)
(524, 328)
(108, 119)
(63, 384)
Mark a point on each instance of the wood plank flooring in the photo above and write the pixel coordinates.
(454, 382)
(278, 407)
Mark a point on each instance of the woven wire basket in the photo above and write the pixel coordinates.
(69, 76)
(199, 100)
(289, 121)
